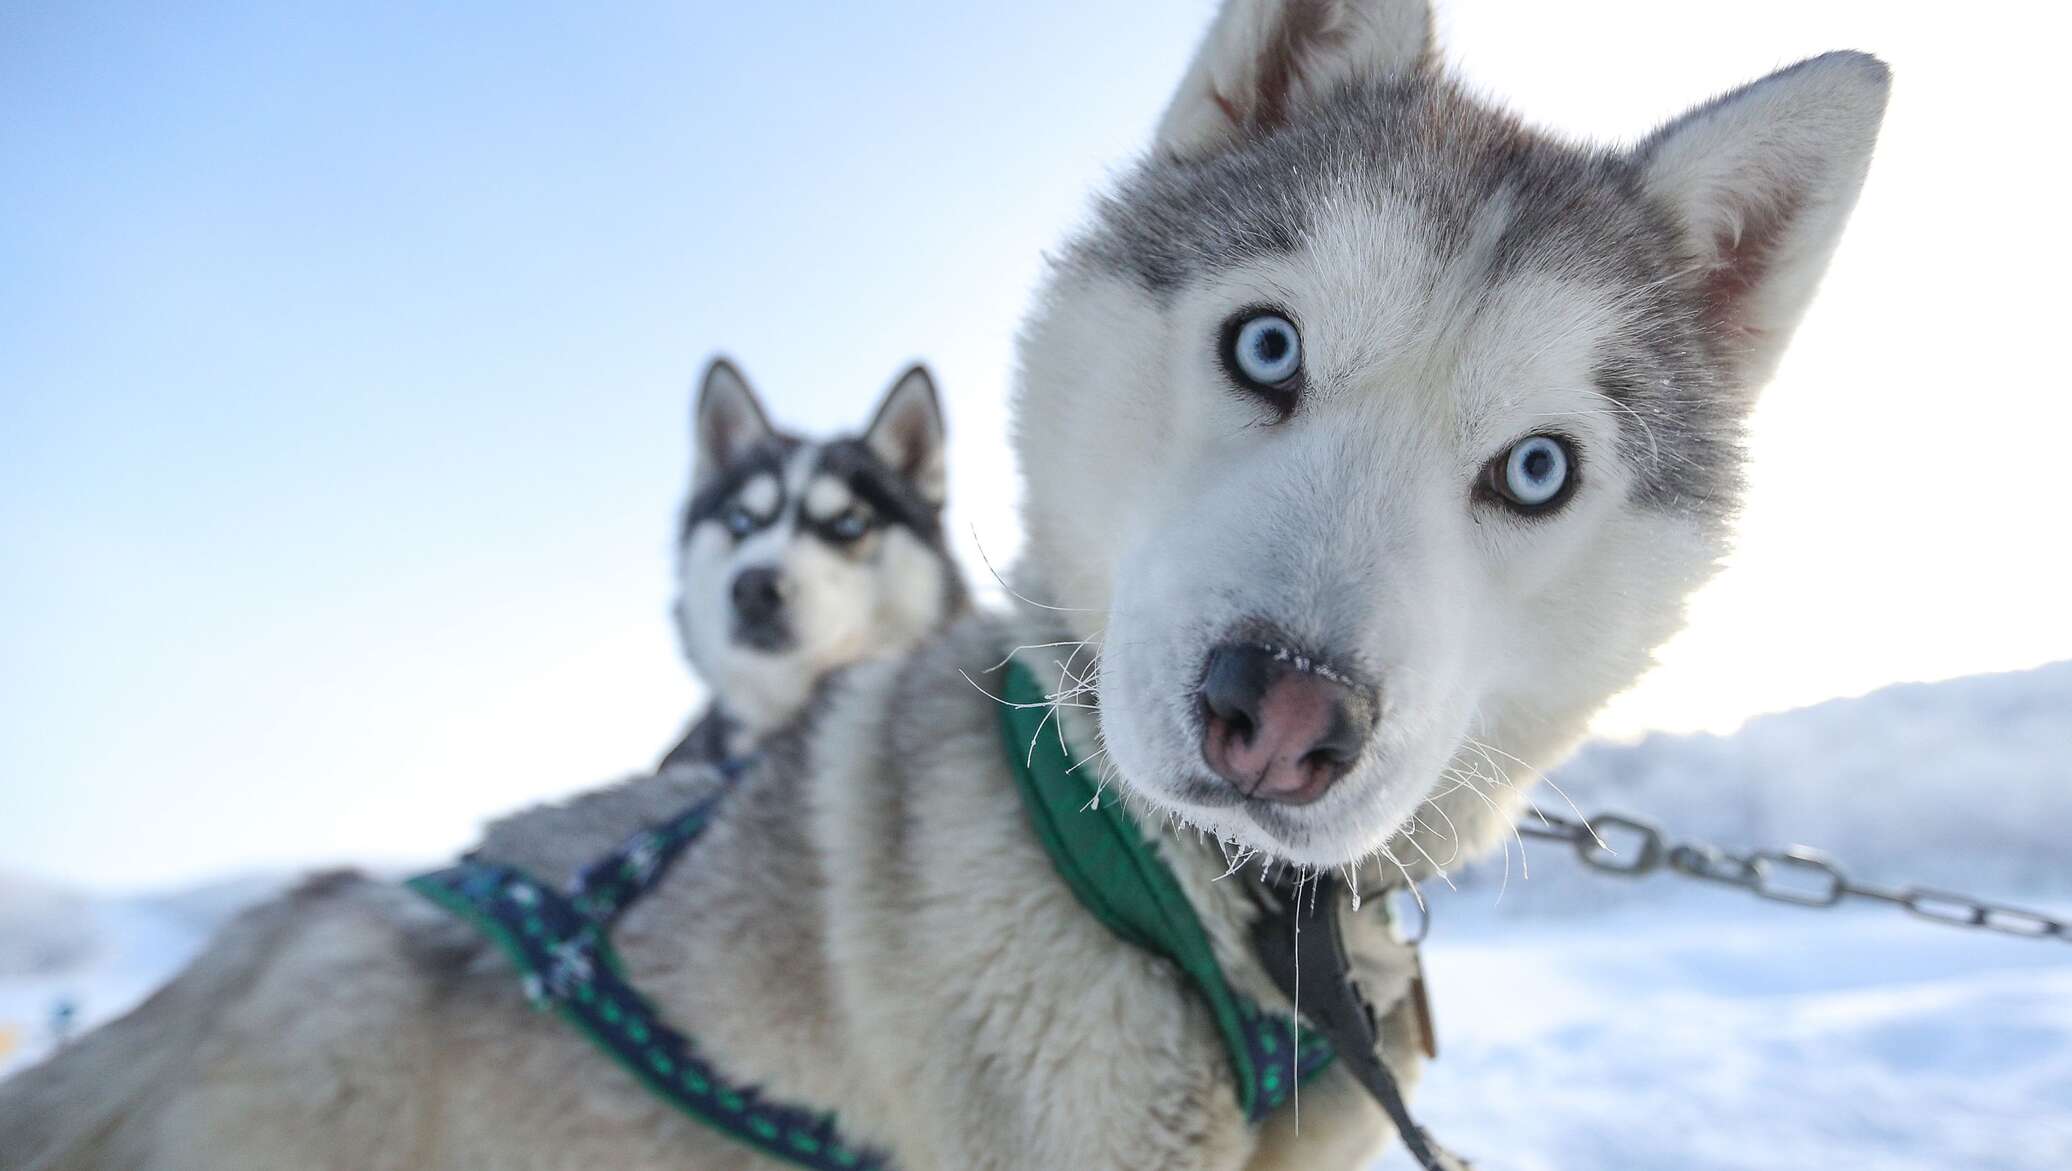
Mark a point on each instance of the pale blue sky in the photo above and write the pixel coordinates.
(345, 357)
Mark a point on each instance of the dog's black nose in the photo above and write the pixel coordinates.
(759, 595)
(1278, 726)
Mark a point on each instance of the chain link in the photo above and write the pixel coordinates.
(1631, 847)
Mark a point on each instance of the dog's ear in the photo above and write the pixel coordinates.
(1760, 182)
(1264, 59)
(729, 421)
(907, 433)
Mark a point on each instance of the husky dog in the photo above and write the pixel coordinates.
(1371, 440)
(795, 558)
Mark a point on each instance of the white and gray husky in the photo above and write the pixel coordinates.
(1371, 440)
(796, 557)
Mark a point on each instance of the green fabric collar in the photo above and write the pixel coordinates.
(1102, 855)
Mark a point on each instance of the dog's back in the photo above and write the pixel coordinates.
(346, 1026)
(862, 893)
(232, 1062)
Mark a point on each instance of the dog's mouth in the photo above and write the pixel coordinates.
(768, 638)
(1337, 825)
(1283, 754)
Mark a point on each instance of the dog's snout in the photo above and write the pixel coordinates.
(1279, 727)
(759, 595)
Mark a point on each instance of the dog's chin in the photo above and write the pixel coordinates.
(763, 689)
(1344, 828)
(1346, 825)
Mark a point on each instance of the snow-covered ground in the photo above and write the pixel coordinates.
(1592, 1023)
(1698, 1031)
(100, 956)
(1588, 1022)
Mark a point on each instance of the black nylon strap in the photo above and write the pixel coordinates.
(1330, 1000)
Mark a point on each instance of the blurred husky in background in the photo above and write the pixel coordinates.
(1372, 439)
(796, 557)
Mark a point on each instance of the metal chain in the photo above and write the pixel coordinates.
(1796, 875)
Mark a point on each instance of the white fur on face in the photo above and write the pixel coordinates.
(1352, 527)
(827, 497)
(1289, 172)
(844, 604)
(761, 496)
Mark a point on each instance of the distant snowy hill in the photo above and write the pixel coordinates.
(1635, 1025)
(1589, 1022)
(100, 956)
(43, 930)
(1965, 784)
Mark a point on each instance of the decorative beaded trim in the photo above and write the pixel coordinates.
(564, 956)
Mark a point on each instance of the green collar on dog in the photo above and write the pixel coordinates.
(1116, 873)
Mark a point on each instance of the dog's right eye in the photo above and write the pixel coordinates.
(1262, 352)
(739, 521)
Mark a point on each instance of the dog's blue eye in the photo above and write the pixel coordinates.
(739, 521)
(1263, 350)
(1262, 355)
(849, 526)
(1534, 474)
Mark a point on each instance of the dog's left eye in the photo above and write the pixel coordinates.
(1533, 475)
(739, 521)
(1262, 351)
(850, 525)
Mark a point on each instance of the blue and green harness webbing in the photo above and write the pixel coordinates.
(560, 942)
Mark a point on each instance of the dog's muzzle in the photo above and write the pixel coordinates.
(760, 617)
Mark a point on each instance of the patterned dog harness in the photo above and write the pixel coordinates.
(560, 943)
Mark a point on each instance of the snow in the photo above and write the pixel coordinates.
(1701, 1031)
(100, 955)
(1614, 1024)
(1618, 1025)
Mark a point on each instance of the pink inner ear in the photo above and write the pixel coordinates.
(1741, 261)
(726, 436)
(726, 428)
(1303, 29)
(907, 438)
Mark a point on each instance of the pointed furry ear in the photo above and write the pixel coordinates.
(1761, 181)
(907, 433)
(729, 420)
(1263, 59)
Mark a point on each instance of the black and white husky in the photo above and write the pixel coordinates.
(1372, 439)
(795, 557)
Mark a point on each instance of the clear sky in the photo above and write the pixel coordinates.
(345, 357)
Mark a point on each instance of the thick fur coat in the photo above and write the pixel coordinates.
(1435, 416)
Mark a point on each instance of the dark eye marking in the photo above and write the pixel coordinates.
(1260, 348)
(849, 525)
(739, 522)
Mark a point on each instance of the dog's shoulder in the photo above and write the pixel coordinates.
(554, 840)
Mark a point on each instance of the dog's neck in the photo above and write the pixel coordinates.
(1224, 887)
(1069, 670)
(715, 736)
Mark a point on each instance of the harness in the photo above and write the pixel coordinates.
(561, 945)
(1103, 856)
(560, 942)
